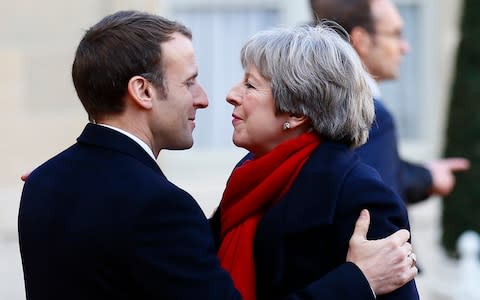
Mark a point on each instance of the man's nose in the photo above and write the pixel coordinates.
(200, 98)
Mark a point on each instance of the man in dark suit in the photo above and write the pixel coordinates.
(375, 29)
(101, 221)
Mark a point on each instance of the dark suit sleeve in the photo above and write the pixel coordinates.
(214, 222)
(416, 182)
(173, 242)
(344, 282)
(388, 214)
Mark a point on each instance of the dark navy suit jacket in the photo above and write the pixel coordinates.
(306, 233)
(411, 181)
(101, 221)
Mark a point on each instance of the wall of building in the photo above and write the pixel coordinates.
(439, 32)
(41, 113)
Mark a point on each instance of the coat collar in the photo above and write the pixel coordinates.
(105, 137)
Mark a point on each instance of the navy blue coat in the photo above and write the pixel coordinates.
(101, 221)
(305, 234)
(411, 181)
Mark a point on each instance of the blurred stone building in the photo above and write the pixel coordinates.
(42, 115)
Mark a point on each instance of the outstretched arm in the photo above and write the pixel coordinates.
(442, 171)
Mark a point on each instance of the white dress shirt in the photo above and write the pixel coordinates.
(136, 139)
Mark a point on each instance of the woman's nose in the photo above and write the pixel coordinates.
(233, 96)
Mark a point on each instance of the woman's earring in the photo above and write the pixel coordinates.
(286, 126)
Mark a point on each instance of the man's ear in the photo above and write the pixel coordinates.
(361, 40)
(141, 91)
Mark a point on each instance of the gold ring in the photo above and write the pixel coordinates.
(414, 258)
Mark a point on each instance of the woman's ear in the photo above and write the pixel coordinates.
(297, 120)
(141, 91)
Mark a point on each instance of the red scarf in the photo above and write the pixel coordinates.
(251, 190)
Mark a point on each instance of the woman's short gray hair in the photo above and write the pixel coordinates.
(315, 72)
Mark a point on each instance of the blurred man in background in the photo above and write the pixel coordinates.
(376, 33)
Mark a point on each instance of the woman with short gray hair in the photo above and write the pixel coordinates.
(289, 207)
(316, 73)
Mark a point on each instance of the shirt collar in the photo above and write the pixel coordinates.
(372, 83)
(136, 139)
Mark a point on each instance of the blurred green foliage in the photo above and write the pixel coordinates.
(461, 209)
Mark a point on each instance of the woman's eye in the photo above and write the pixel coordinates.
(248, 85)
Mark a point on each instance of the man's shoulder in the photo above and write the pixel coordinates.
(98, 167)
(53, 163)
(383, 117)
(115, 177)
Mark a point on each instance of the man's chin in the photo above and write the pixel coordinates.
(388, 77)
(183, 146)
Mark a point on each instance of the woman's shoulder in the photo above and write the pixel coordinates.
(331, 159)
(363, 187)
(335, 172)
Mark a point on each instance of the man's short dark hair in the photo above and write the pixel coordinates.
(348, 13)
(120, 46)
